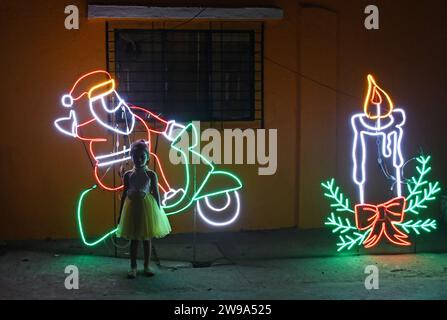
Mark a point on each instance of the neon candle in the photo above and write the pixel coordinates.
(379, 119)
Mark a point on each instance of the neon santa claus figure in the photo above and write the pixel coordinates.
(104, 102)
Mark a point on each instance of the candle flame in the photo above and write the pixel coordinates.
(373, 106)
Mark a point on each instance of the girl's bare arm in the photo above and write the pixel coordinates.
(154, 187)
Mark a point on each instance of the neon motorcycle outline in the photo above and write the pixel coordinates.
(198, 196)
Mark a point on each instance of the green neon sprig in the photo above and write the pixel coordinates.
(417, 226)
(420, 190)
(428, 194)
(340, 202)
(423, 170)
(339, 224)
(347, 242)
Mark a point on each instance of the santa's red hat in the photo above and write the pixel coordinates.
(94, 84)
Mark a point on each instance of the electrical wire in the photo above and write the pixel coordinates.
(279, 64)
(87, 153)
(313, 80)
(191, 19)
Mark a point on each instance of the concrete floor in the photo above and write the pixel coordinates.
(40, 275)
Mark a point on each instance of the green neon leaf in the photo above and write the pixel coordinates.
(419, 189)
(349, 235)
(347, 242)
(419, 202)
(338, 224)
(417, 226)
(339, 202)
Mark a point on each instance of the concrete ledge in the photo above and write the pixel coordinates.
(142, 12)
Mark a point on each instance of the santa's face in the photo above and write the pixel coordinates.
(103, 111)
(93, 123)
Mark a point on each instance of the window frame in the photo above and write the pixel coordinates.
(256, 32)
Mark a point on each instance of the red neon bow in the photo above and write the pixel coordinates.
(381, 219)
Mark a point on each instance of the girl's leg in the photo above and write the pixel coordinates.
(147, 257)
(133, 253)
(133, 259)
(147, 253)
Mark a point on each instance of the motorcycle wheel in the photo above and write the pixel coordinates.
(222, 215)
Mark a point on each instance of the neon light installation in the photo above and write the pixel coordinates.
(374, 223)
(174, 200)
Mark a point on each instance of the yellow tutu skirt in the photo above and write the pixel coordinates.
(143, 219)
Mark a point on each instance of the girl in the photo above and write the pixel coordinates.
(141, 216)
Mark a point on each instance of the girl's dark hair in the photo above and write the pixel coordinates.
(139, 145)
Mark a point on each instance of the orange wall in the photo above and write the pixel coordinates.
(44, 171)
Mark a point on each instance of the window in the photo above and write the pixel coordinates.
(206, 75)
